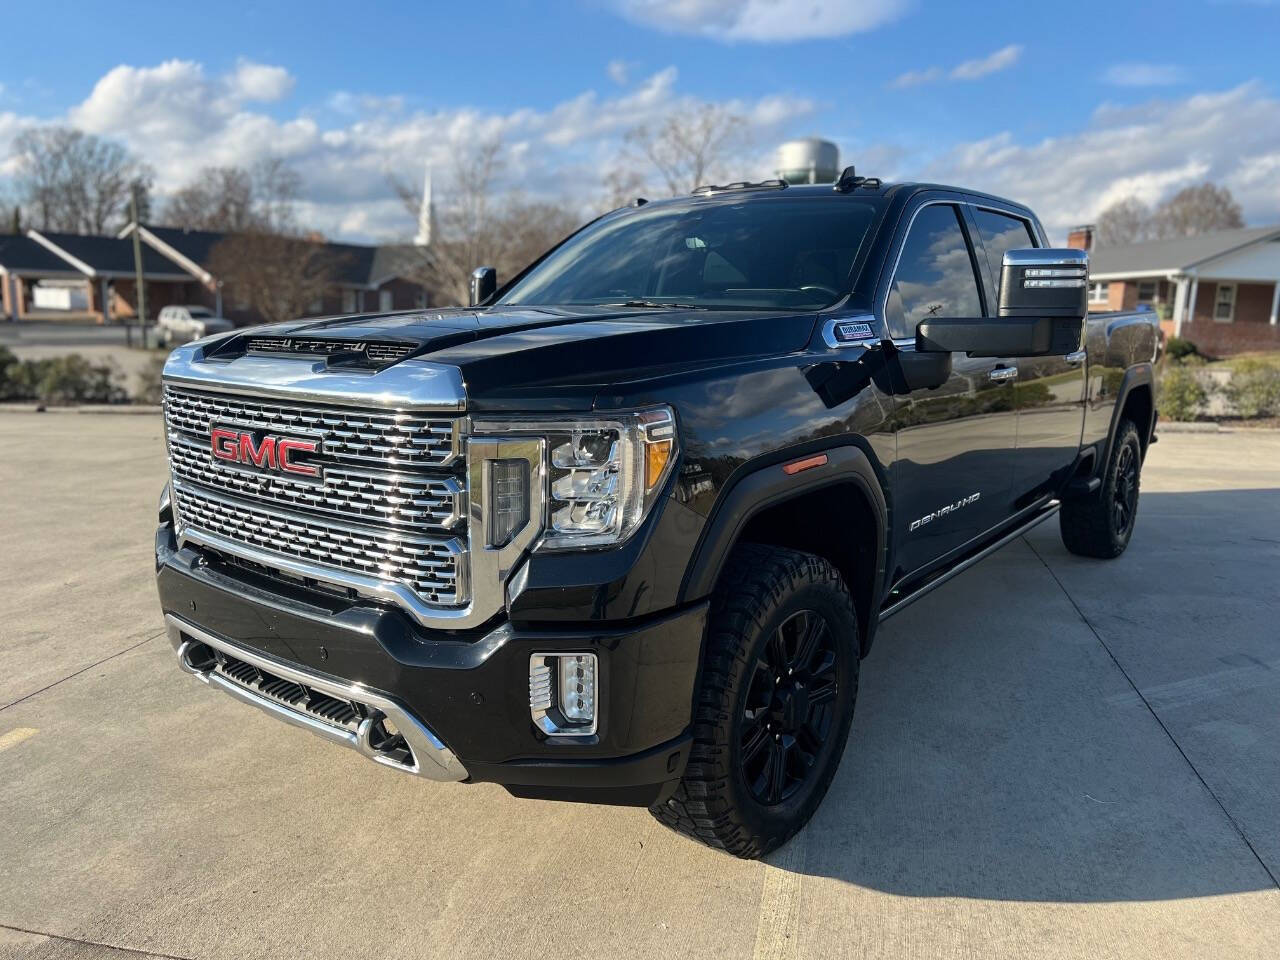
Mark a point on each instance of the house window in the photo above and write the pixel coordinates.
(1100, 292)
(349, 301)
(1224, 303)
(1146, 291)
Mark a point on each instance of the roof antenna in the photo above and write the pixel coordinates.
(849, 179)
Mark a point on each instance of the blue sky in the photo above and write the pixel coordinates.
(1063, 106)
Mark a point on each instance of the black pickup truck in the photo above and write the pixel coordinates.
(623, 530)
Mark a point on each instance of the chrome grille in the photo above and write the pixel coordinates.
(396, 498)
(385, 438)
(387, 515)
(431, 567)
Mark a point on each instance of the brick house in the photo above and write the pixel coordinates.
(1220, 290)
(26, 265)
(72, 276)
(370, 278)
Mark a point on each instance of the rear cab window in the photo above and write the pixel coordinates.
(1000, 233)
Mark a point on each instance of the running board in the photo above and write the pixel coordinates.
(963, 565)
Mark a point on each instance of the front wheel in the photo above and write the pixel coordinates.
(1101, 524)
(779, 683)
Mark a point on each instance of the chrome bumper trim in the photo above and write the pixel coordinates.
(431, 758)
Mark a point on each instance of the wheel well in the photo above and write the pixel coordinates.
(827, 522)
(1137, 407)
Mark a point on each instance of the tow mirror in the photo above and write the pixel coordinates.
(1043, 302)
(484, 281)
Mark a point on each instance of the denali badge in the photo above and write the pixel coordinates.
(267, 453)
(943, 511)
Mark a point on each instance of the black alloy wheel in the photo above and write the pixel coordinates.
(1125, 492)
(789, 707)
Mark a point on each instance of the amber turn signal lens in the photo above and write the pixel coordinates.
(656, 456)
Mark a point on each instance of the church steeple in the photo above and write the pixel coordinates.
(426, 214)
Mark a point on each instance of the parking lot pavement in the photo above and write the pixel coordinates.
(1051, 757)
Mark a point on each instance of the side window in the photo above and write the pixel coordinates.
(1001, 233)
(935, 275)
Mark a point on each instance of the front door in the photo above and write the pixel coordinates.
(1050, 390)
(955, 442)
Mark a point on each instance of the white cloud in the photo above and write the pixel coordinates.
(1001, 59)
(917, 78)
(1151, 150)
(619, 72)
(763, 21)
(179, 118)
(259, 81)
(1143, 74)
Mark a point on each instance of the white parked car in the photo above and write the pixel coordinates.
(181, 324)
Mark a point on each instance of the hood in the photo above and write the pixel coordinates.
(538, 358)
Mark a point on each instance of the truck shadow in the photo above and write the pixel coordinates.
(999, 753)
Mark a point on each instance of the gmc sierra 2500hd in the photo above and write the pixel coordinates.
(623, 530)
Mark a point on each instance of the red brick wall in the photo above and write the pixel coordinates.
(1251, 329)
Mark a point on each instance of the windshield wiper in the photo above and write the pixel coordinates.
(653, 305)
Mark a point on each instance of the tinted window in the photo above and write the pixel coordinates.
(777, 253)
(935, 275)
(999, 234)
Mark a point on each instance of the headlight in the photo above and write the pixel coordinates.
(602, 473)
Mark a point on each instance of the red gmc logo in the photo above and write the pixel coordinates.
(269, 453)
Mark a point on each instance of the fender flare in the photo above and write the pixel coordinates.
(1139, 375)
(767, 486)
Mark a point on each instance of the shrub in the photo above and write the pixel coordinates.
(150, 385)
(1179, 348)
(61, 380)
(8, 365)
(1182, 393)
(1254, 389)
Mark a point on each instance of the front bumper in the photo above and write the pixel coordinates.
(461, 702)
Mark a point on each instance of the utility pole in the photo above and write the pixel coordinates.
(137, 269)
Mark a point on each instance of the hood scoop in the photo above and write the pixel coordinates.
(372, 353)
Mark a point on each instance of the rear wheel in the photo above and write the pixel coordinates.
(1101, 524)
(773, 714)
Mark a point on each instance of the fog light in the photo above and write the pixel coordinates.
(562, 693)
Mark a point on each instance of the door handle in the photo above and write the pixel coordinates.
(1077, 357)
(1001, 374)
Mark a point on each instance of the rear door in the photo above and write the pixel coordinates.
(956, 441)
(1050, 390)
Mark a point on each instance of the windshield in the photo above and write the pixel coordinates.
(775, 254)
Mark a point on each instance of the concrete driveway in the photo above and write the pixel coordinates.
(1051, 757)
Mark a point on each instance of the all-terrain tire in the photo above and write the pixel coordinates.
(1101, 524)
(766, 595)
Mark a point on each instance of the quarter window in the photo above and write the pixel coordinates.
(935, 275)
(1224, 303)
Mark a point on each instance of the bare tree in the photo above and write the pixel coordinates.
(217, 198)
(691, 146)
(76, 182)
(1199, 209)
(1125, 221)
(235, 200)
(481, 224)
(280, 275)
